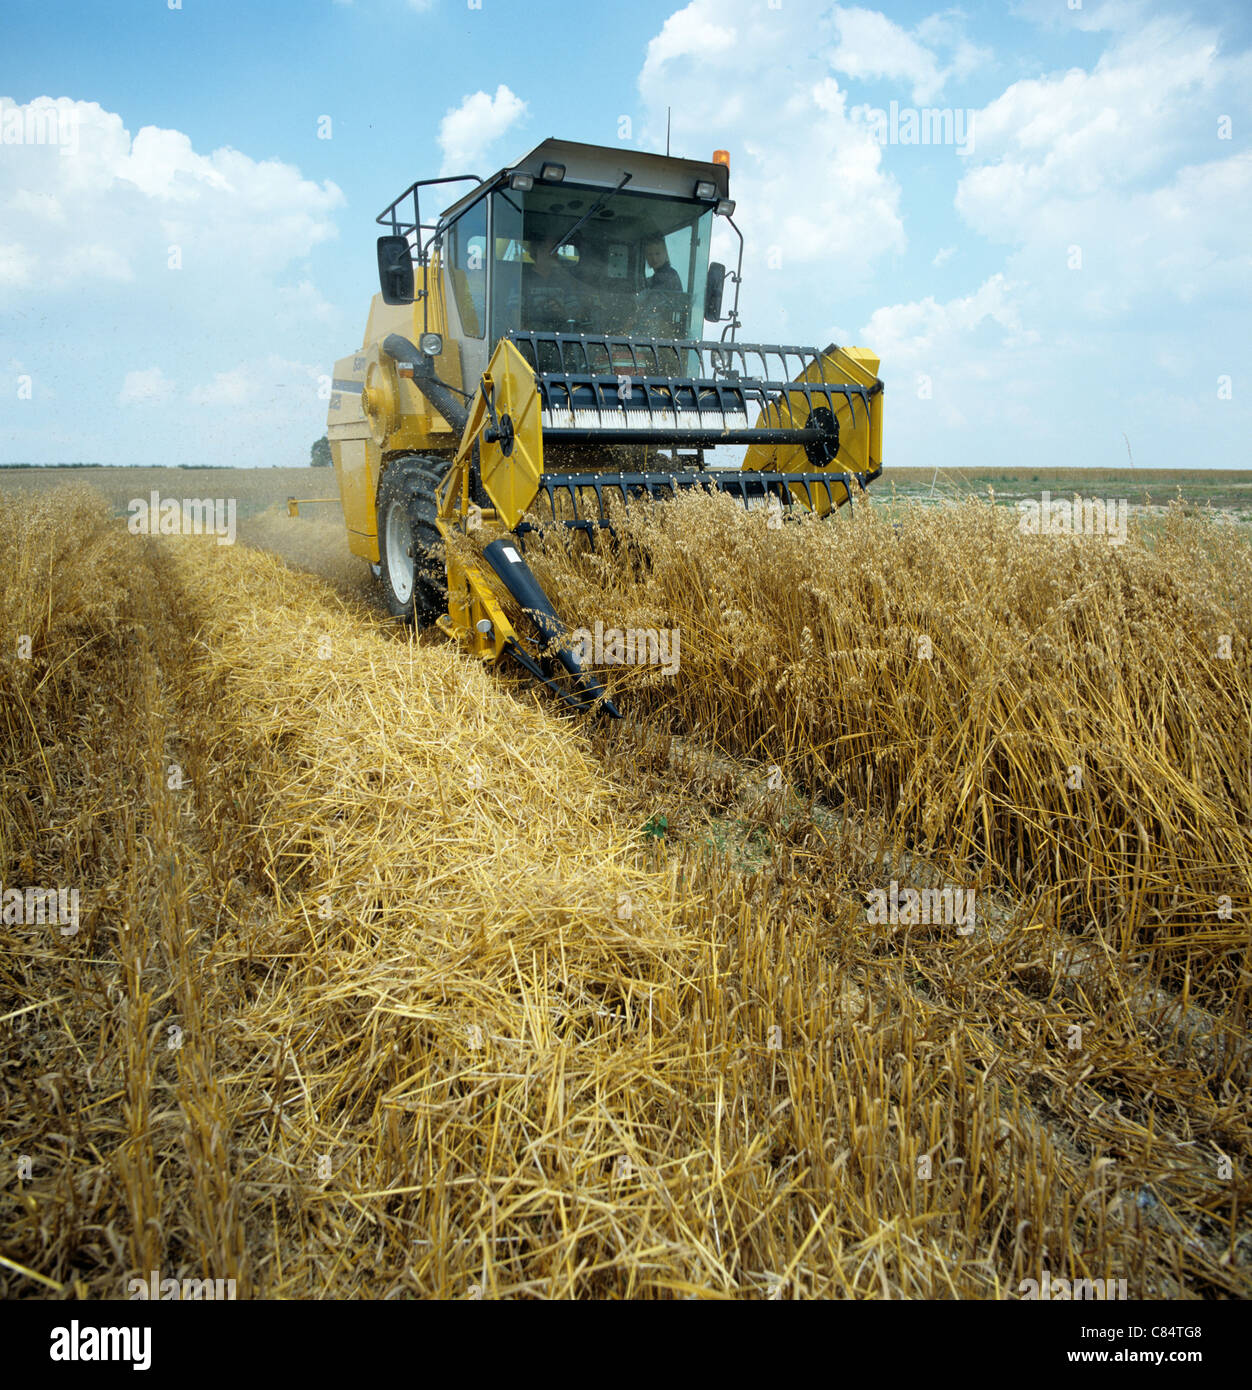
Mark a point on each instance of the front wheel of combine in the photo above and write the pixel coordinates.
(409, 544)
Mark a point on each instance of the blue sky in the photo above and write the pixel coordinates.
(1069, 265)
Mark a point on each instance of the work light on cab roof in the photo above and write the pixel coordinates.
(556, 336)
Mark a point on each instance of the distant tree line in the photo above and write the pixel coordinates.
(320, 459)
(110, 465)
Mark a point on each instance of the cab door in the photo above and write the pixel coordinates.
(466, 262)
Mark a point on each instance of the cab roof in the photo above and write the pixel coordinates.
(604, 165)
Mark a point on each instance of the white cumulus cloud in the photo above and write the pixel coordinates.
(468, 131)
(148, 386)
(113, 242)
(871, 46)
(1113, 184)
(809, 180)
(134, 198)
(917, 332)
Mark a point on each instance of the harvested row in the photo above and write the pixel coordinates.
(113, 1134)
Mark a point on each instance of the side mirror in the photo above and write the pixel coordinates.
(395, 269)
(713, 288)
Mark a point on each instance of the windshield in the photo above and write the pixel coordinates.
(636, 267)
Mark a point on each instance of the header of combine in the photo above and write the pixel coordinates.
(544, 340)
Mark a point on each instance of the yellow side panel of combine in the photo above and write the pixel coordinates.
(375, 412)
(356, 466)
(420, 427)
(402, 420)
(355, 455)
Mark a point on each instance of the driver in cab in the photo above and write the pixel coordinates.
(664, 277)
(660, 305)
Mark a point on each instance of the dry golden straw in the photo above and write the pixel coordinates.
(380, 991)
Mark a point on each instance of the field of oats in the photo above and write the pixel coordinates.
(388, 979)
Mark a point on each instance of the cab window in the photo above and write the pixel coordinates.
(466, 251)
(636, 266)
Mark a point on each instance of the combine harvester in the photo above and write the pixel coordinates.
(543, 338)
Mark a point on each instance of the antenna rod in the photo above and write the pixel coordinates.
(667, 111)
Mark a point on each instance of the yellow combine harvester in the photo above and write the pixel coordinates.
(543, 339)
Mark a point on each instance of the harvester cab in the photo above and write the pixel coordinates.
(540, 347)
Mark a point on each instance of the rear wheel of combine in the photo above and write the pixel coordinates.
(409, 544)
